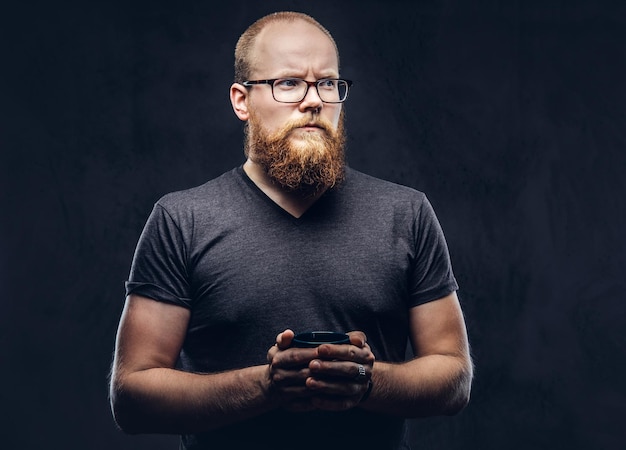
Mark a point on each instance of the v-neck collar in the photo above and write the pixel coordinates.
(310, 211)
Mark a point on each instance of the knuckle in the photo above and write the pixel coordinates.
(277, 377)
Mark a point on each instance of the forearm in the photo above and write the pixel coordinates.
(425, 386)
(162, 400)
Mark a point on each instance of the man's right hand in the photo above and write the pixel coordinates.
(288, 372)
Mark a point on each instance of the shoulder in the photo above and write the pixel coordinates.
(385, 201)
(371, 189)
(202, 196)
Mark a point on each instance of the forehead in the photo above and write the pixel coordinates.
(294, 48)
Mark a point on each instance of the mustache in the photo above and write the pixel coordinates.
(313, 120)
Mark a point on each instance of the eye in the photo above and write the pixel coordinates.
(287, 83)
(327, 84)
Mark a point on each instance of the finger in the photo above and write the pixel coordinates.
(291, 394)
(357, 338)
(283, 340)
(271, 353)
(293, 357)
(280, 377)
(344, 370)
(335, 387)
(346, 353)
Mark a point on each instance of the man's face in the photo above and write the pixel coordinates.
(304, 138)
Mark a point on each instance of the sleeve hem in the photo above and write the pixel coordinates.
(157, 293)
(435, 294)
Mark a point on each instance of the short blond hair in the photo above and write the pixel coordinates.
(243, 50)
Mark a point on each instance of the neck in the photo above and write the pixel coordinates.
(294, 202)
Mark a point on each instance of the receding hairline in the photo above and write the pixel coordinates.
(245, 44)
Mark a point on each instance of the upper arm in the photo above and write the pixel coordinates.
(438, 328)
(150, 334)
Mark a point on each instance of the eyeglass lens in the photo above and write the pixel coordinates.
(293, 90)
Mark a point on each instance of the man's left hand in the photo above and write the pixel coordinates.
(341, 375)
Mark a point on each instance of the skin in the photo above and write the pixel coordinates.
(148, 395)
(307, 54)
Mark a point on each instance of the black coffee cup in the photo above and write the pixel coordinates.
(312, 339)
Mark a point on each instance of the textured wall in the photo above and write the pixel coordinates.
(509, 114)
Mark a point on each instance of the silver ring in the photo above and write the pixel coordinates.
(362, 375)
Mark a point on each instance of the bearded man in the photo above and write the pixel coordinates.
(224, 274)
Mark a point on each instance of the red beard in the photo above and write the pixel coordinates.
(310, 163)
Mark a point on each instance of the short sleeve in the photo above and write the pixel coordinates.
(159, 267)
(432, 276)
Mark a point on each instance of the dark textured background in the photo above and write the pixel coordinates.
(510, 115)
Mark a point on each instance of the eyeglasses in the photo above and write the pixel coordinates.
(293, 90)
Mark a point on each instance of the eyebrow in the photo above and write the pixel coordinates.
(291, 75)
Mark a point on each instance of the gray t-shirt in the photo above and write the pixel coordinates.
(358, 259)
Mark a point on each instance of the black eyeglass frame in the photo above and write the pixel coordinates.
(316, 83)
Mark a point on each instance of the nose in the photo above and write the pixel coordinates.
(311, 100)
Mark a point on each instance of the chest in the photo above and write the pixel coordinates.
(253, 281)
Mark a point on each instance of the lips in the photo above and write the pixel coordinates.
(314, 125)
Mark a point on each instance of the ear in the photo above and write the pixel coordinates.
(238, 99)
